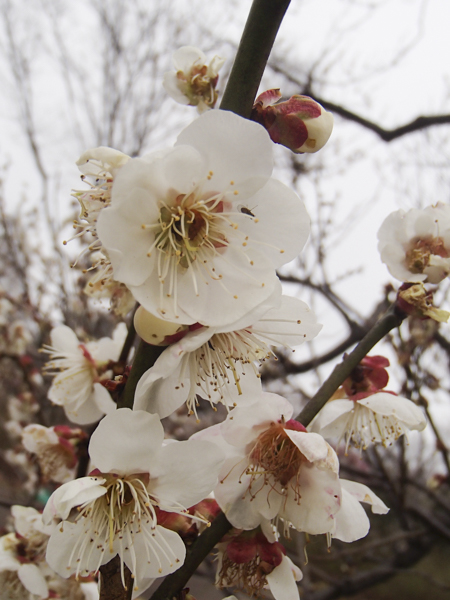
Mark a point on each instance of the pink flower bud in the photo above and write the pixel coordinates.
(300, 123)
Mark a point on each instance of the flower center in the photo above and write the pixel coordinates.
(248, 576)
(199, 84)
(111, 522)
(220, 363)
(418, 255)
(275, 455)
(188, 225)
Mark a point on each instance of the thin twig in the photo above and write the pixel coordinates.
(389, 321)
(256, 44)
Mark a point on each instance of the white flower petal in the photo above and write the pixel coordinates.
(320, 498)
(185, 473)
(401, 408)
(291, 324)
(244, 423)
(311, 445)
(103, 400)
(186, 56)
(64, 339)
(71, 494)
(234, 149)
(125, 442)
(64, 551)
(153, 553)
(364, 494)
(351, 522)
(282, 581)
(33, 580)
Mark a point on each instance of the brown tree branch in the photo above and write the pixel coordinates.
(387, 135)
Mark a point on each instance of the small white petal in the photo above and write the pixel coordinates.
(125, 442)
(185, 472)
(33, 580)
(282, 581)
(71, 494)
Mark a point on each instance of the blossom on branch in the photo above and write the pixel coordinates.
(415, 245)
(99, 167)
(194, 82)
(300, 123)
(275, 468)
(114, 511)
(192, 231)
(55, 448)
(79, 370)
(220, 364)
(379, 418)
(22, 556)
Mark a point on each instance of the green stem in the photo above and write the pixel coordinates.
(256, 44)
(388, 321)
(145, 358)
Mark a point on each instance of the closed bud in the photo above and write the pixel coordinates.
(156, 331)
(300, 123)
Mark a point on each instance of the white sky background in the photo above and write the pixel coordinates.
(386, 60)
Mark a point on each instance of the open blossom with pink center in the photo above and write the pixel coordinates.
(275, 468)
(220, 364)
(79, 370)
(379, 418)
(253, 561)
(415, 245)
(300, 123)
(114, 511)
(193, 232)
(55, 448)
(194, 81)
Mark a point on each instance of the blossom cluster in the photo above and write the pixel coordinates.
(194, 235)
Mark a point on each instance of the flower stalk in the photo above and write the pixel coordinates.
(390, 320)
(256, 44)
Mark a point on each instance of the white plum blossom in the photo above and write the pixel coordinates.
(55, 448)
(220, 363)
(79, 369)
(274, 468)
(114, 510)
(194, 81)
(23, 570)
(99, 167)
(415, 245)
(379, 418)
(192, 231)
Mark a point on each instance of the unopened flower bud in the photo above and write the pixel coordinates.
(300, 123)
(155, 331)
